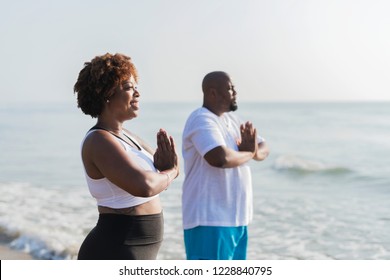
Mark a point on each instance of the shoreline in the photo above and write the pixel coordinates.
(7, 253)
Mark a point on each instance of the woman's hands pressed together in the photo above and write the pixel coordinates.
(165, 156)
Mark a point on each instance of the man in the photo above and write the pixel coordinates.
(217, 190)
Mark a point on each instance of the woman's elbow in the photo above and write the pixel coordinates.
(143, 188)
(147, 190)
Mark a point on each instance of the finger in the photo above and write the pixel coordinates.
(255, 134)
(248, 129)
(252, 129)
(164, 141)
(159, 134)
(173, 144)
(167, 142)
(159, 140)
(244, 136)
(250, 126)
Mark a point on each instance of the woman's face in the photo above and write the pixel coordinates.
(125, 101)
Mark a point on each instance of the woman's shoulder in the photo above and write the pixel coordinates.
(98, 137)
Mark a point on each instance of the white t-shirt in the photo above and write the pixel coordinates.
(214, 196)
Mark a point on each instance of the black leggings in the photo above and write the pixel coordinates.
(123, 237)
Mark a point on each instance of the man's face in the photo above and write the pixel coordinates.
(227, 95)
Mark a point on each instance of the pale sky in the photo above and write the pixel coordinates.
(274, 50)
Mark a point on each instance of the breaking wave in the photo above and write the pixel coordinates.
(306, 166)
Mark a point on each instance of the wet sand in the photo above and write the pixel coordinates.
(7, 253)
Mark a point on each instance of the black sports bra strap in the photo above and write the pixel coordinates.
(131, 140)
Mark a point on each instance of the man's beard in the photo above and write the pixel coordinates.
(233, 107)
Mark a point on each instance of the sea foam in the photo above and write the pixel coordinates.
(302, 165)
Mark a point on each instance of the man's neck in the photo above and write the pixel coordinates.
(213, 110)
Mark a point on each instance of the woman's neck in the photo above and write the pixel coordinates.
(113, 126)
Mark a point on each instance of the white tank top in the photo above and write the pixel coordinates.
(110, 195)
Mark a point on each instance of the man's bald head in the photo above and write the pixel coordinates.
(214, 80)
(219, 95)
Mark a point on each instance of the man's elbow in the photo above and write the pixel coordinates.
(217, 162)
(217, 157)
(262, 153)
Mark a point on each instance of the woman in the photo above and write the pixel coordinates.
(123, 174)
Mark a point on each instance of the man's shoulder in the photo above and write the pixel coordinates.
(199, 120)
(200, 114)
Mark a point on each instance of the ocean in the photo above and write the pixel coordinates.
(323, 193)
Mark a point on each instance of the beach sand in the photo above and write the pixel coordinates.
(7, 253)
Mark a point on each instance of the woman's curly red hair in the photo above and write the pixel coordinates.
(98, 79)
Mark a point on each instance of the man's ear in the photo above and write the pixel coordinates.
(213, 92)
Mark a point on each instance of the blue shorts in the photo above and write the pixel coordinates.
(216, 243)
